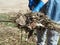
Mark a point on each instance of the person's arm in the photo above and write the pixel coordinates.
(39, 6)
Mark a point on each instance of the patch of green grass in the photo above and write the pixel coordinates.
(4, 16)
(8, 24)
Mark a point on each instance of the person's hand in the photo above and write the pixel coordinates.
(45, 1)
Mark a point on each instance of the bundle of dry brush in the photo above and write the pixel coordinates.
(32, 21)
(35, 20)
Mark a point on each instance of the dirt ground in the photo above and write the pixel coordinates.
(13, 6)
(13, 36)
